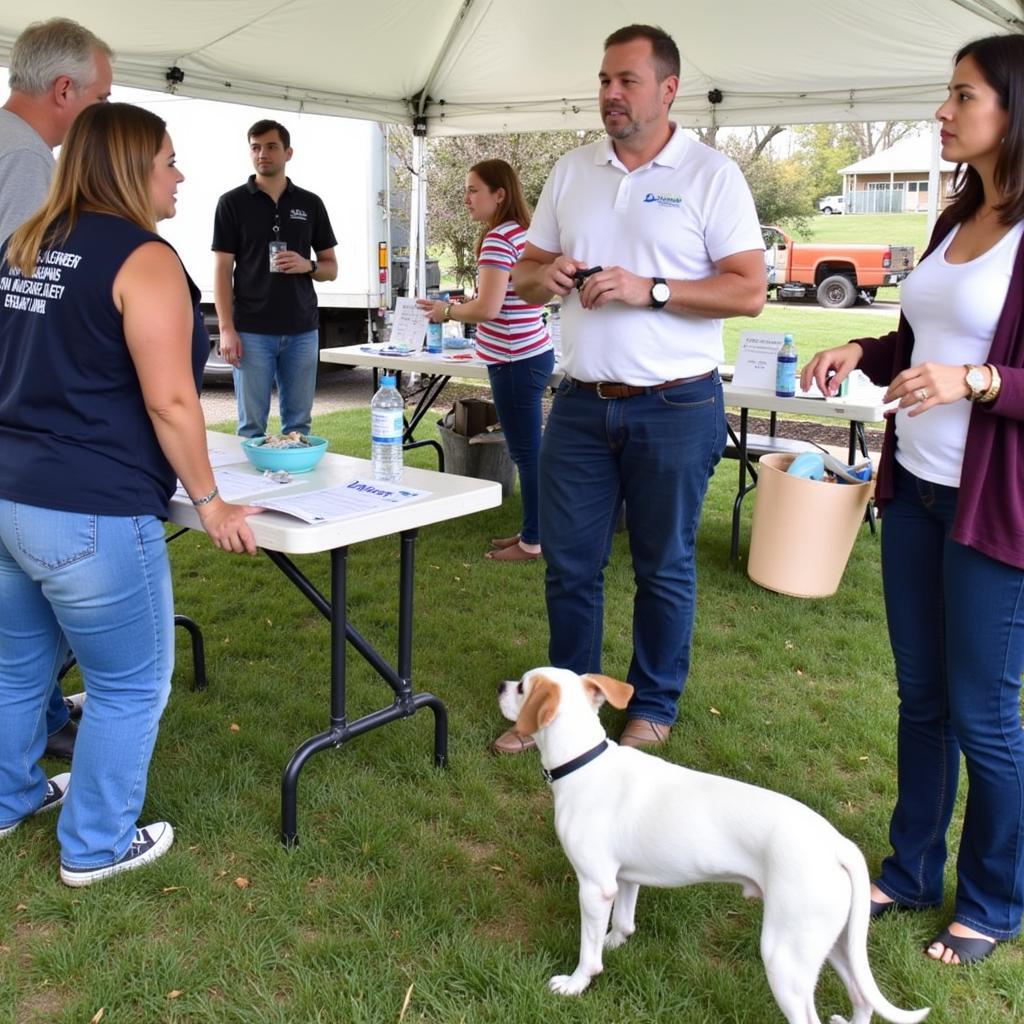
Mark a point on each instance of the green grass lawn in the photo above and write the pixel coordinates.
(813, 327)
(419, 895)
(888, 228)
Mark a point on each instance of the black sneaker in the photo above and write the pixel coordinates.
(150, 842)
(61, 744)
(56, 790)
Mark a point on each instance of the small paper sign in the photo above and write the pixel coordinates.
(755, 361)
(408, 326)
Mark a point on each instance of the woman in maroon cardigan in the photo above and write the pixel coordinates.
(951, 486)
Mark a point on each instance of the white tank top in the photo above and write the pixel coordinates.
(953, 309)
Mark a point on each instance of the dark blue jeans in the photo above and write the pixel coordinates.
(656, 452)
(518, 389)
(956, 624)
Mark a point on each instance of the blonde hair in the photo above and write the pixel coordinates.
(105, 166)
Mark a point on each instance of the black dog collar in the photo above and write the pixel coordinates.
(577, 762)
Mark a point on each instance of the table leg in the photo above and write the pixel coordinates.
(406, 702)
(436, 383)
(744, 488)
(859, 442)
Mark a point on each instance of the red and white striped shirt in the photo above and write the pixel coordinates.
(518, 331)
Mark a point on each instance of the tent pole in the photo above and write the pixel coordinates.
(934, 179)
(413, 280)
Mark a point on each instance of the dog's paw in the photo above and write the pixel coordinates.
(568, 984)
(615, 938)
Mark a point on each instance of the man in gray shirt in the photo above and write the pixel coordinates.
(57, 69)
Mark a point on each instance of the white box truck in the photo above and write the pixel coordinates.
(344, 161)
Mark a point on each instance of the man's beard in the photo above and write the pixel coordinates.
(623, 131)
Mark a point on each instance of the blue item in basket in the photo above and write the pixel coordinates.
(809, 465)
(845, 474)
(294, 460)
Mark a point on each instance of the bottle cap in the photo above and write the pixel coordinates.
(387, 381)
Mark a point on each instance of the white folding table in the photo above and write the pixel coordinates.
(280, 535)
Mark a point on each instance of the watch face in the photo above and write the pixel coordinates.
(661, 292)
(975, 379)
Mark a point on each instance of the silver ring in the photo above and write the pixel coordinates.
(922, 394)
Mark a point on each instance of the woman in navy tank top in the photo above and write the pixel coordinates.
(101, 354)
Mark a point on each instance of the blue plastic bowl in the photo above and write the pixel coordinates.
(294, 460)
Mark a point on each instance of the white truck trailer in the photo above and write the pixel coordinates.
(343, 161)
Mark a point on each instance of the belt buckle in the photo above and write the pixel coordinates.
(600, 393)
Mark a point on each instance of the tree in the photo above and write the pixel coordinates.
(874, 136)
(452, 235)
(781, 187)
(822, 150)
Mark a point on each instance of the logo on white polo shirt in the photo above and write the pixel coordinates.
(298, 214)
(673, 202)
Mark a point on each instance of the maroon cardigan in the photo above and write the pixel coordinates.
(990, 502)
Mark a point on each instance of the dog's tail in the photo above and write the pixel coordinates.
(855, 938)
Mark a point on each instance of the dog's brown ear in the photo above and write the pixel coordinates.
(616, 693)
(540, 706)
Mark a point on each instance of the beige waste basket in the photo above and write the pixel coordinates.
(802, 531)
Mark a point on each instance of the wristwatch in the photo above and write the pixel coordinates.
(448, 311)
(312, 267)
(660, 293)
(975, 380)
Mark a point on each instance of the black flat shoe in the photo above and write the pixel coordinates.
(61, 744)
(880, 909)
(968, 950)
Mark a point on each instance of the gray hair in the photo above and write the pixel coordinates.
(48, 49)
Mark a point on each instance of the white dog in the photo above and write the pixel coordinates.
(627, 819)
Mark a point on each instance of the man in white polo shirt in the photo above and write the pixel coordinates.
(671, 226)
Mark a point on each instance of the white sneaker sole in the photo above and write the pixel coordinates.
(78, 878)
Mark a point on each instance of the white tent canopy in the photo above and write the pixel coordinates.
(522, 65)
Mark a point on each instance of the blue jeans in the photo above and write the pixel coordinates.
(57, 713)
(656, 452)
(518, 389)
(955, 623)
(104, 584)
(288, 359)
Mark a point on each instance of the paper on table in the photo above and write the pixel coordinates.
(234, 484)
(225, 457)
(755, 360)
(408, 325)
(355, 498)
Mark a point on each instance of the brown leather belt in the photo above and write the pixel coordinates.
(610, 389)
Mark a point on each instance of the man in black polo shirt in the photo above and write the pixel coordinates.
(264, 294)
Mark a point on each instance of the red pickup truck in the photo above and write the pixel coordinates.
(836, 273)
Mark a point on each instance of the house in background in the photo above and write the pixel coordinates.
(895, 180)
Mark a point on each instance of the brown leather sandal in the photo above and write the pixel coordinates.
(512, 743)
(513, 553)
(505, 542)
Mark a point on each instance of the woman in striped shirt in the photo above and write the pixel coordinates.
(511, 337)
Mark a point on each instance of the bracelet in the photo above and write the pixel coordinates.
(448, 310)
(993, 389)
(206, 498)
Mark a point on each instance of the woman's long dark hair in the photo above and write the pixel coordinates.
(1000, 60)
(497, 174)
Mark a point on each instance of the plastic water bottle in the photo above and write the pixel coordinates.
(435, 332)
(387, 409)
(555, 328)
(785, 369)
